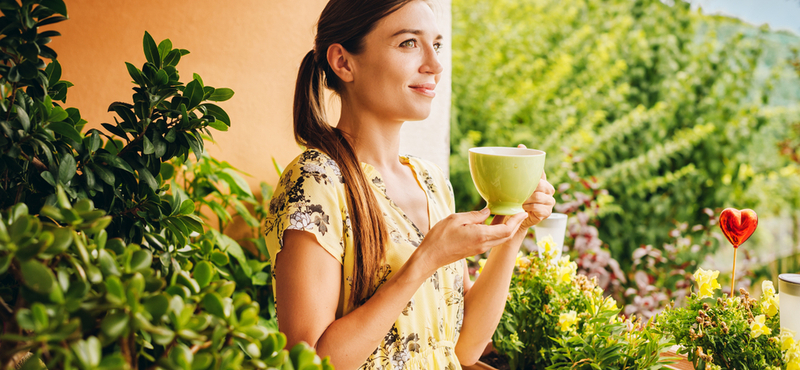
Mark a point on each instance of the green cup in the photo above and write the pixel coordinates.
(505, 177)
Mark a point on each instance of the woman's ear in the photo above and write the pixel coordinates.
(341, 62)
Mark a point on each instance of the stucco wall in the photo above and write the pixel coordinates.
(253, 47)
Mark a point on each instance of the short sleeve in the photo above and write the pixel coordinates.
(309, 197)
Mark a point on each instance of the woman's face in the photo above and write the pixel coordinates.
(395, 74)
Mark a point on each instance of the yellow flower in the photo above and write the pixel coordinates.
(786, 338)
(609, 304)
(568, 320)
(481, 263)
(706, 281)
(767, 289)
(733, 302)
(522, 262)
(792, 357)
(547, 247)
(770, 306)
(566, 272)
(759, 327)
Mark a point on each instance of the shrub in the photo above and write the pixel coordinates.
(105, 262)
(628, 92)
(557, 319)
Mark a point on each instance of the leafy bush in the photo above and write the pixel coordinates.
(105, 262)
(628, 92)
(729, 333)
(557, 319)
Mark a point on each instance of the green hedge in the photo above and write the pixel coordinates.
(634, 93)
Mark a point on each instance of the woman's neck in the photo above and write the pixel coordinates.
(374, 141)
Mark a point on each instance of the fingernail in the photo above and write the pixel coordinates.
(485, 210)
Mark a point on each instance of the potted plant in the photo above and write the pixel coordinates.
(557, 319)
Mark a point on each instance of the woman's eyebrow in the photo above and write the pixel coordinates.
(415, 32)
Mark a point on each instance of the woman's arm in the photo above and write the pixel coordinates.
(308, 286)
(485, 300)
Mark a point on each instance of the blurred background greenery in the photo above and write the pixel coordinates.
(654, 117)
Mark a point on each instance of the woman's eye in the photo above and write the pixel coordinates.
(409, 43)
(437, 47)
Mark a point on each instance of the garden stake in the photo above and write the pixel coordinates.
(737, 226)
(733, 274)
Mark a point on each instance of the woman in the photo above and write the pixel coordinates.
(371, 267)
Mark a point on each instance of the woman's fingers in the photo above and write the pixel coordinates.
(506, 229)
(474, 217)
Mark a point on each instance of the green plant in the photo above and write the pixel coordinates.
(642, 95)
(730, 333)
(104, 262)
(556, 319)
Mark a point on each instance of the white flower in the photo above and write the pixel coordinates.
(300, 221)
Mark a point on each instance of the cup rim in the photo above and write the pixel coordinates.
(520, 152)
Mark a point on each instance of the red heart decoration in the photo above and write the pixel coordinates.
(738, 225)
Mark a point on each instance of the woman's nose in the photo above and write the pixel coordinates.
(431, 63)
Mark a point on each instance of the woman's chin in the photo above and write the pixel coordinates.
(418, 114)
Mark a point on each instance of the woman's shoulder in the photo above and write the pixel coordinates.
(312, 164)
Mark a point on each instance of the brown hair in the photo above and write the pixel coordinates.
(344, 22)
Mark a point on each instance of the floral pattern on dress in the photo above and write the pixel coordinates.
(310, 196)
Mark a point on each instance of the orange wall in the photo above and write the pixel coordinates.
(253, 47)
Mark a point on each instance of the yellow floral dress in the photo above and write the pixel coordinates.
(311, 196)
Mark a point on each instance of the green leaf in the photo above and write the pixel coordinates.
(187, 207)
(221, 94)
(48, 177)
(108, 265)
(156, 305)
(194, 93)
(22, 117)
(115, 161)
(151, 50)
(217, 112)
(67, 168)
(278, 167)
(136, 74)
(219, 258)
(236, 183)
(88, 352)
(58, 114)
(61, 241)
(5, 261)
(53, 72)
(106, 175)
(37, 277)
(213, 303)
(167, 171)
(164, 47)
(116, 130)
(115, 292)
(148, 146)
(57, 6)
(203, 273)
(40, 318)
(65, 129)
(173, 58)
(184, 279)
(147, 177)
(115, 324)
(141, 260)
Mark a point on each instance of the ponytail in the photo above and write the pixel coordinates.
(312, 130)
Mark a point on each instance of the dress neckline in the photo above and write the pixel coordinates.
(373, 175)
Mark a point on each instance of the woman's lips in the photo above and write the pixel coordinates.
(425, 89)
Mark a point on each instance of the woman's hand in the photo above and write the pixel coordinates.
(461, 235)
(540, 204)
